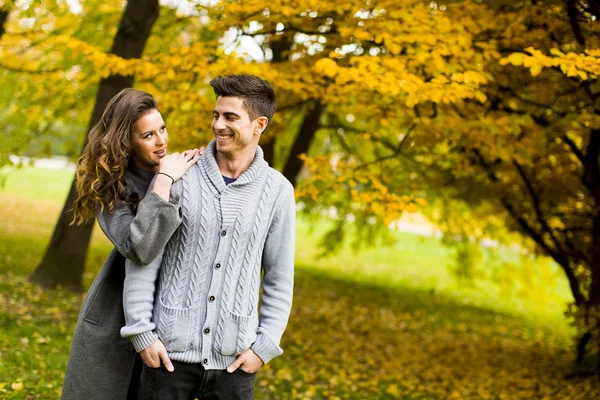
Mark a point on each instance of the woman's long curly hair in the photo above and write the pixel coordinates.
(101, 168)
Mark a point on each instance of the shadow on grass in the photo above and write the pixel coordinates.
(362, 340)
(346, 339)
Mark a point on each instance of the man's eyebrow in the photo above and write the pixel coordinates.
(229, 113)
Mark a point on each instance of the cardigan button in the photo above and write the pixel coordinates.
(205, 361)
(223, 232)
(207, 330)
(211, 298)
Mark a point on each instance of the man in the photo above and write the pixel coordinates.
(238, 215)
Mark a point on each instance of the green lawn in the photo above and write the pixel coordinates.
(381, 324)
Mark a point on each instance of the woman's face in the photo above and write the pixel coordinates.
(149, 141)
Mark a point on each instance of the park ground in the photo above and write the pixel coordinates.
(386, 323)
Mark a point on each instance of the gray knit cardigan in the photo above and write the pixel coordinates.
(232, 238)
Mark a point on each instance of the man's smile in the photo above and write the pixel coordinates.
(222, 137)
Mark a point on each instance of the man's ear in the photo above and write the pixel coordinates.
(261, 124)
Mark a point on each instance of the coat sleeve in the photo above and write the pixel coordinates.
(278, 278)
(141, 237)
(138, 302)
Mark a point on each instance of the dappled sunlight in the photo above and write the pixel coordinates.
(385, 323)
(350, 341)
(344, 340)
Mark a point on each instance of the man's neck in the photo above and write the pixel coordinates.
(234, 165)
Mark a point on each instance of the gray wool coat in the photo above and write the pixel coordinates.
(100, 364)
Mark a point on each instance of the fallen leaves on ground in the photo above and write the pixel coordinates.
(344, 341)
(347, 341)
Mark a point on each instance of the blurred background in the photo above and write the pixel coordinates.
(445, 156)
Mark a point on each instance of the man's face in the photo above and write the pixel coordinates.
(232, 127)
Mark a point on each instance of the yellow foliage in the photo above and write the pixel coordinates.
(584, 65)
(416, 79)
(327, 67)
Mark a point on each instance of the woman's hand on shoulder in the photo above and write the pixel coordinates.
(177, 164)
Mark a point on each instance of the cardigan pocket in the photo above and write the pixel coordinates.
(174, 327)
(236, 334)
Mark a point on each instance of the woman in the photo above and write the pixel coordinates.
(124, 153)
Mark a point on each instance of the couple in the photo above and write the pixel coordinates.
(196, 235)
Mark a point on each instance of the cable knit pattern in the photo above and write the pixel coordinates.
(206, 310)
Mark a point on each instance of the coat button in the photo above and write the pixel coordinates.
(211, 298)
(206, 330)
(205, 361)
(223, 232)
(218, 265)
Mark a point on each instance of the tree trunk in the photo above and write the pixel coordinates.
(3, 19)
(303, 141)
(278, 45)
(63, 263)
(269, 151)
(594, 290)
(573, 13)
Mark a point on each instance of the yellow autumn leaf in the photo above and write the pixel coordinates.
(571, 70)
(327, 67)
(536, 69)
(479, 95)
(393, 390)
(474, 77)
(516, 58)
(440, 79)
(17, 386)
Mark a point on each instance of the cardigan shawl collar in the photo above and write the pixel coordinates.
(211, 167)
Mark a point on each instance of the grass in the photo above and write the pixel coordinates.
(382, 324)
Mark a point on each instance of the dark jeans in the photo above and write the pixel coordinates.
(134, 383)
(190, 381)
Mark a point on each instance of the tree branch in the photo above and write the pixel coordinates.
(588, 90)
(396, 150)
(29, 71)
(536, 236)
(565, 138)
(591, 174)
(573, 14)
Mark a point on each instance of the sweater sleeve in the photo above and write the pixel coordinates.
(139, 288)
(142, 236)
(278, 278)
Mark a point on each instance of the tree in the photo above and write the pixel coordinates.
(39, 76)
(419, 100)
(313, 90)
(389, 107)
(63, 262)
(526, 151)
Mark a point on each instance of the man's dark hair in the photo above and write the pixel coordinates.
(258, 96)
